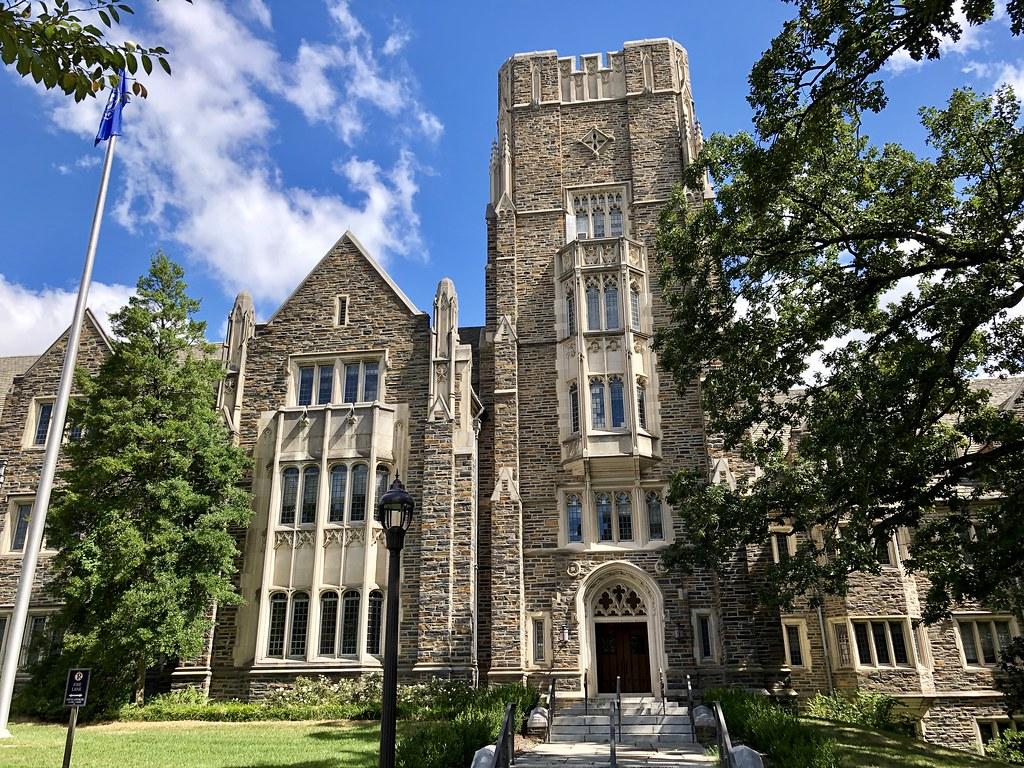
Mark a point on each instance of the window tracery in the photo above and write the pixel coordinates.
(619, 600)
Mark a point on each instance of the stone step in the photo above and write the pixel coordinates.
(602, 719)
(669, 708)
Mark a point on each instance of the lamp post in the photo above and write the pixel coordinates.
(395, 516)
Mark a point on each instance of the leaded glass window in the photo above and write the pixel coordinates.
(597, 417)
(300, 625)
(357, 509)
(328, 622)
(574, 519)
(350, 622)
(624, 511)
(339, 477)
(278, 614)
(618, 402)
(374, 622)
(604, 516)
(289, 494)
(310, 492)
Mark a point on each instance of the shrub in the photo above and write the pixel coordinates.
(1009, 748)
(869, 710)
(453, 742)
(763, 725)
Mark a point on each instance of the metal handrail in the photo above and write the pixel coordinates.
(689, 707)
(586, 693)
(611, 734)
(724, 742)
(505, 746)
(551, 706)
(618, 704)
(663, 684)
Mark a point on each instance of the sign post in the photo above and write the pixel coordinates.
(76, 692)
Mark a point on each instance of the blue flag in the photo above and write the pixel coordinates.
(110, 125)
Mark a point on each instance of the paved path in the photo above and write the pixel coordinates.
(585, 755)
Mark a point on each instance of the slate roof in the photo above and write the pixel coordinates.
(9, 368)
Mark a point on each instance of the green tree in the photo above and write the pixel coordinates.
(899, 272)
(142, 522)
(66, 47)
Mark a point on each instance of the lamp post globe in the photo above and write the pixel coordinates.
(394, 513)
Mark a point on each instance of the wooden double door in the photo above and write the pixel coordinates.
(622, 652)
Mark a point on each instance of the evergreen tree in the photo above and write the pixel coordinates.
(142, 521)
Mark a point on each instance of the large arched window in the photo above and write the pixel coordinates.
(374, 621)
(357, 509)
(611, 305)
(618, 401)
(593, 307)
(278, 617)
(300, 625)
(289, 494)
(624, 512)
(597, 418)
(310, 492)
(339, 478)
(573, 518)
(655, 523)
(604, 516)
(350, 623)
(574, 408)
(328, 622)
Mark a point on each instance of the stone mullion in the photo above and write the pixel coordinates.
(369, 540)
(269, 551)
(322, 505)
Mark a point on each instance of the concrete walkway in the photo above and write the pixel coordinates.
(585, 755)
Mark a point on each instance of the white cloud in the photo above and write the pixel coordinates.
(33, 319)
(197, 165)
(85, 161)
(258, 10)
(397, 40)
(971, 39)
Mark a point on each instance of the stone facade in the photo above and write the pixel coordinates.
(29, 388)
(538, 448)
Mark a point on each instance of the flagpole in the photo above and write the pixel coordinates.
(37, 522)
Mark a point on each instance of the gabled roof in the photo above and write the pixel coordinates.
(372, 262)
(90, 319)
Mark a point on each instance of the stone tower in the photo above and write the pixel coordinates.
(583, 428)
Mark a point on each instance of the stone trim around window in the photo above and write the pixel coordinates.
(873, 642)
(344, 379)
(704, 625)
(981, 636)
(627, 525)
(10, 530)
(539, 631)
(794, 638)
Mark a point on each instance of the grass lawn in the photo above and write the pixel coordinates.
(196, 745)
(859, 748)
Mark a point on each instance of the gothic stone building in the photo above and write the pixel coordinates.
(538, 448)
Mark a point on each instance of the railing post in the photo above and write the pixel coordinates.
(611, 739)
(618, 704)
(689, 708)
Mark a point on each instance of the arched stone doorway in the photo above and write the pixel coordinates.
(622, 631)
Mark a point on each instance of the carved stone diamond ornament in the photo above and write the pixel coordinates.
(595, 140)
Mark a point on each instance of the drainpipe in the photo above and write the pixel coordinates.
(824, 647)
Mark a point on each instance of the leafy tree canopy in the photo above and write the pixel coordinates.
(898, 273)
(142, 521)
(65, 46)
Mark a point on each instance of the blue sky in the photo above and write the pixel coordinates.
(287, 123)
